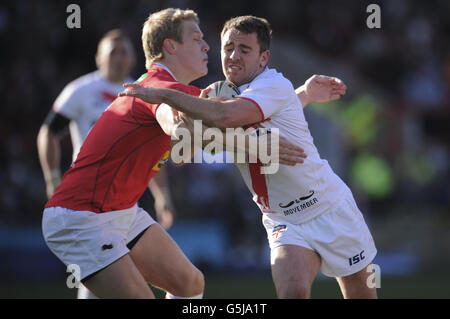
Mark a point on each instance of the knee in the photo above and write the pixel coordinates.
(294, 292)
(191, 283)
(197, 282)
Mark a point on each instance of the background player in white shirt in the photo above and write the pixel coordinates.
(80, 105)
(309, 213)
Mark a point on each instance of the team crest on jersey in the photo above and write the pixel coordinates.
(277, 230)
(162, 161)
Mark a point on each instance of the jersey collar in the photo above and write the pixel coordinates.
(245, 86)
(162, 66)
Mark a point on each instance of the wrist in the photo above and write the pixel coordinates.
(306, 100)
(302, 95)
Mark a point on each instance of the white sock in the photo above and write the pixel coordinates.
(84, 293)
(170, 296)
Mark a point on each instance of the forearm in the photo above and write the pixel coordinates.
(246, 146)
(234, 140)
(49, 152)
(211, 112)
(301, 93)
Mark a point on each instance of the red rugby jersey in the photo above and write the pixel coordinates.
(122, 152)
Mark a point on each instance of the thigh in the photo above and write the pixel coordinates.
(342, 239)
(121, 279)
(356, 286)
(160, 260)
(294, 269)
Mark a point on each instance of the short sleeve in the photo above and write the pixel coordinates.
(269, 93)
(69, 101)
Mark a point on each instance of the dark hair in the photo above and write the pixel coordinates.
(249, 24)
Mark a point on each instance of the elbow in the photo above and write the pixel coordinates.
(45, 137)
(42, 134)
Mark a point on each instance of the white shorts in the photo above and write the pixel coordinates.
(90, 240)
(340, 237)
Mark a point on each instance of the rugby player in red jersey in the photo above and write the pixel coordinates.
(80, 105)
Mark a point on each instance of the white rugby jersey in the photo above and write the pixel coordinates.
(83, 101)
(294, 193)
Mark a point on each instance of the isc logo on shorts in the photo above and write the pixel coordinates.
(357, 258)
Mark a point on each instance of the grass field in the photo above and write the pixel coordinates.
(255, 286)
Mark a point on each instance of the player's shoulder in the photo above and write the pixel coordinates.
(274, 79)
(84, 81)
(274, 75)
(164, 80)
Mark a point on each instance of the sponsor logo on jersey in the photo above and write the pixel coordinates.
(304, 201)
(311, 193)
(277, 230)
(162, 161)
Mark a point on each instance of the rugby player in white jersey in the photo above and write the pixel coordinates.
(80, 105)
(309, 213)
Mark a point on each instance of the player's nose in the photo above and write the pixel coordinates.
(205, 47)
(234, 55)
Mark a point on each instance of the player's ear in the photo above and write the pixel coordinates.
(100, 54)
(97, 61)
(170, 46)
(264, 59)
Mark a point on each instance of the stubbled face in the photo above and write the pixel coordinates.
(193, 52)
(241, 57)
(115, 59)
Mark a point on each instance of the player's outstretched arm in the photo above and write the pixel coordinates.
(174, 123)
(320, 89)
(215, 113)
(289, 154)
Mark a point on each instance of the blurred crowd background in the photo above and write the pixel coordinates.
(388, 138)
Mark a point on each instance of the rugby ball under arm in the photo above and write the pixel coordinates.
(223, 89)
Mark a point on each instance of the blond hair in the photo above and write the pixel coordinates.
(161, 25)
